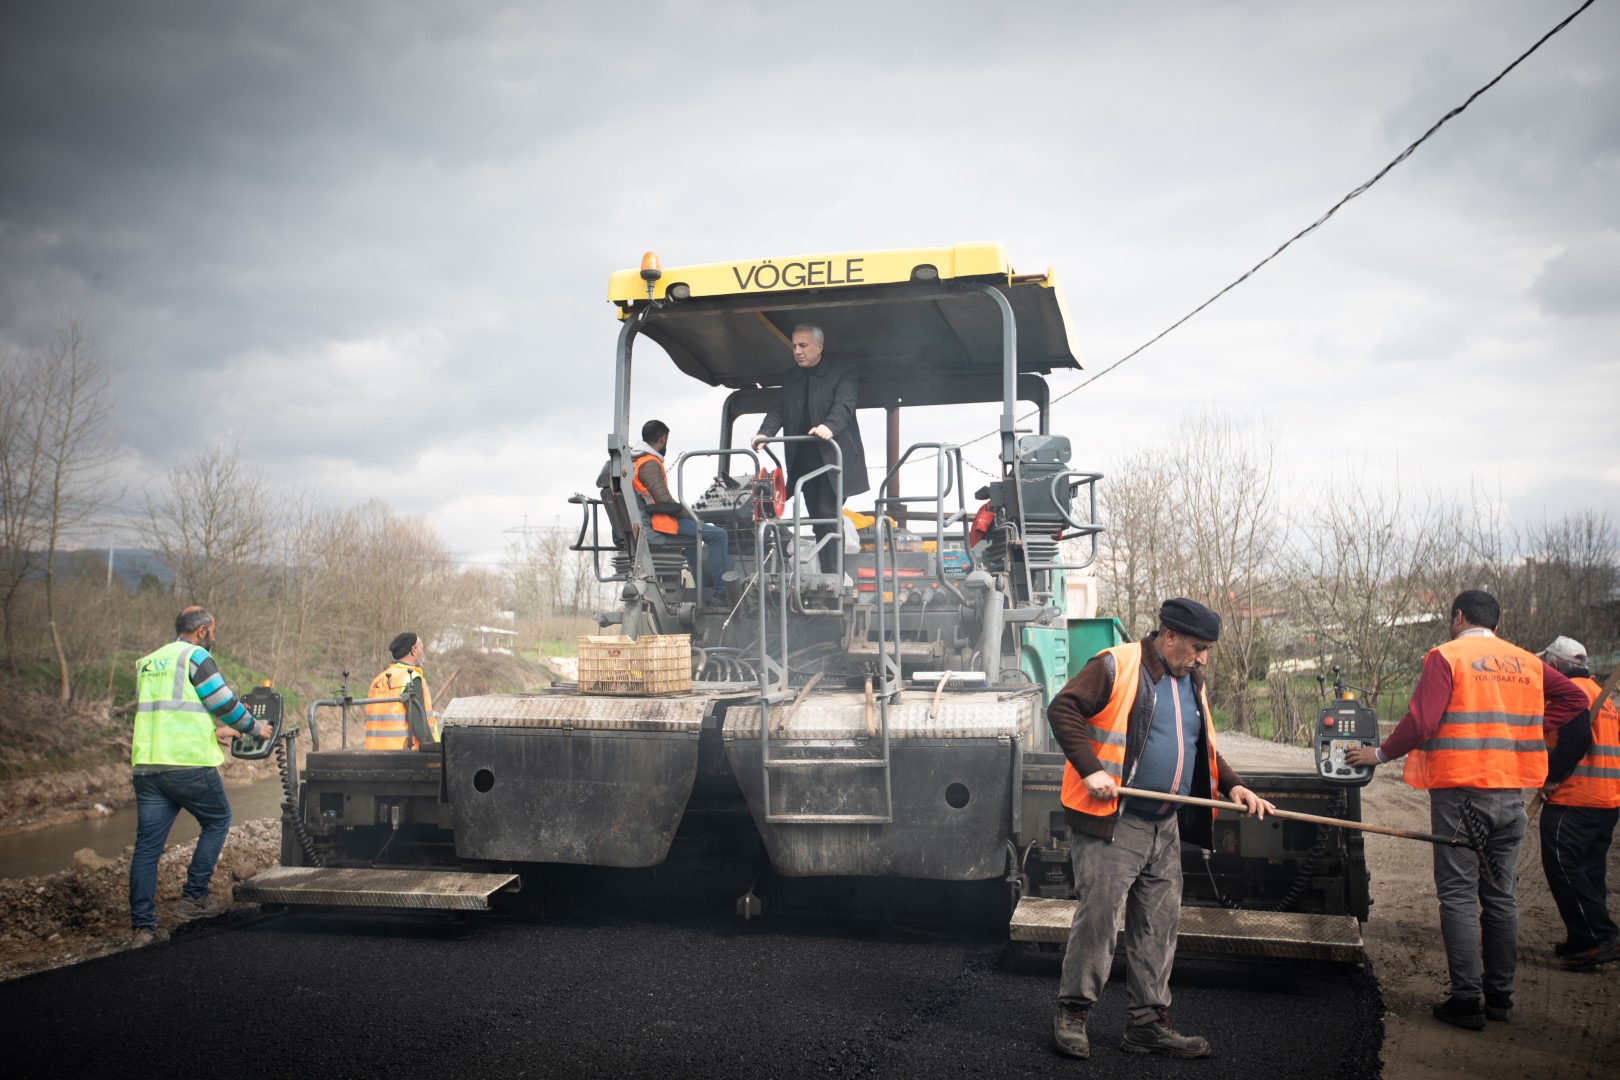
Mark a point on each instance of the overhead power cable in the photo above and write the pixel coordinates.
(1318, 223)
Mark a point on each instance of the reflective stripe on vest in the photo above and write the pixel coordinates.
(1110, 730)
(661, 523)
(1490, 734)
(1596, 780)
(387, 727)
(172, 725)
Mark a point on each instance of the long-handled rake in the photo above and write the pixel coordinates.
(1476, 832)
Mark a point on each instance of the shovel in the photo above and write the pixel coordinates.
(1472, 825)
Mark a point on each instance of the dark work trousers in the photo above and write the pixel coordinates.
(1139, 868)
(821, 501)
(1574, 854)
(1479, 918)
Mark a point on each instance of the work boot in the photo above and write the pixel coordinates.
(145, 935)
(1498, 1006)
(1566, 949)
(1069, 1030)
(1158, 1037)
(201, 908)
(1463, 1012)
(1597, 954)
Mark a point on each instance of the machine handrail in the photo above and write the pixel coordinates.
(680, 497)
(344, 702)
(589, 520)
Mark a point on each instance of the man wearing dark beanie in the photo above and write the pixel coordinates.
(387, 724)
(1137, 715)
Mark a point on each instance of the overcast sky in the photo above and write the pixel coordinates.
(371, 241)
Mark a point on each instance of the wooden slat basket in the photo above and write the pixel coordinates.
(649, 665)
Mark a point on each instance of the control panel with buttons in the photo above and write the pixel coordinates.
(1344, 723)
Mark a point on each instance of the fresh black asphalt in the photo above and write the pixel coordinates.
(312, 995)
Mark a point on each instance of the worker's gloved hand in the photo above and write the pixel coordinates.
(1099, 785)
(1254, 804)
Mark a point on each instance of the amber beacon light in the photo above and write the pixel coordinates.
(651, 271)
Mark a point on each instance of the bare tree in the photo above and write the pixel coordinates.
(1142, 546)
(1226, 492)
(1373, 572)
(23, 406)
(54, 465)
(213, 526)
(1199, 516)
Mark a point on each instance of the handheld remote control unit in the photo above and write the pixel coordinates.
(264, 705)
(1343, 723)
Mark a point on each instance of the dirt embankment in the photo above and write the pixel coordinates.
(83, 912)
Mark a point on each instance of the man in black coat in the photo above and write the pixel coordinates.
(819, 399)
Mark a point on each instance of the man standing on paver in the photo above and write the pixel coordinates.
(1472, 737)
(1136, 715)
(184, 714)
(1577, 826)
(819, 398)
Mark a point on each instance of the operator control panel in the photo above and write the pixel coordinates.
(264, 705)
(1344, 723)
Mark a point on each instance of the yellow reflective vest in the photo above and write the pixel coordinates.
(172, 726)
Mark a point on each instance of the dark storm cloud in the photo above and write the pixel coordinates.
(373, 241)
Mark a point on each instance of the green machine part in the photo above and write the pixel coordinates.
(1088, 637)
(1051, 656)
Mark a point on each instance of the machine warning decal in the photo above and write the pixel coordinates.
(801, 275)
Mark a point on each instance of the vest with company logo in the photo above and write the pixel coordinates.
(1596, 780)
(387, 727)
(661, 523)
(172, 725)
(1110, 730)
(1490, 734)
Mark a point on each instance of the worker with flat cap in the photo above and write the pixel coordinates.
(1137, 715)
(1472, 737)
(1577, 825)
(388, 725)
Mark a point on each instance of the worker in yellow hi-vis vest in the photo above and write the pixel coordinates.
(387, 723)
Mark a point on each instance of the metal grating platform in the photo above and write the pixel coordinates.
(1269, 935)
(400, 890)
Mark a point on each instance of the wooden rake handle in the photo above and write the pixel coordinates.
(1295, 815)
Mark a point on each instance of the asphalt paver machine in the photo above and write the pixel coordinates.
(863, 727)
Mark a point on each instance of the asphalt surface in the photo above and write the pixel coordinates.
(303, 994)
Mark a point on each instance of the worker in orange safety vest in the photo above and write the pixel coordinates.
(1473, 738)
(387, 724)
(1136, 715)
(1577, 826)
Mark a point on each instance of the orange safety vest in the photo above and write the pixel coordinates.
(386, 725)
(661, 523)
(1490, 734)
(1108, 735)
(1596, 780)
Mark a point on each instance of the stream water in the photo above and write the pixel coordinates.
(45, 851)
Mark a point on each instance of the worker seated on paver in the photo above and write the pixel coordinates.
(668, 517)
(388, 723)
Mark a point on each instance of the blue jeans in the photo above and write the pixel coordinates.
(159, 798)
(717, 555)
